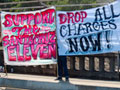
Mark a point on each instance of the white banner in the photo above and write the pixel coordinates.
(91, 31)
(29, 37)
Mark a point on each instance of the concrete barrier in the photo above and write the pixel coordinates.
(48, 84)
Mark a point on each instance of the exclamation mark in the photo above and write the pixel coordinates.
(108, 38)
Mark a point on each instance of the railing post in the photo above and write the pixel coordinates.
(72, 62)
(112, 65)
(101, 64)
(91, 63)
(82, 63)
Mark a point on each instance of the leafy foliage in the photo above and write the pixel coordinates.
(64, 2)
(57, 2)
(17, 5)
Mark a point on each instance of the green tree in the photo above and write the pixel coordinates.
(17, 5)
(64, 2)
(57, 2)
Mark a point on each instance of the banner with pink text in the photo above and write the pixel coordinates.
(90, 31)
(29, 37)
